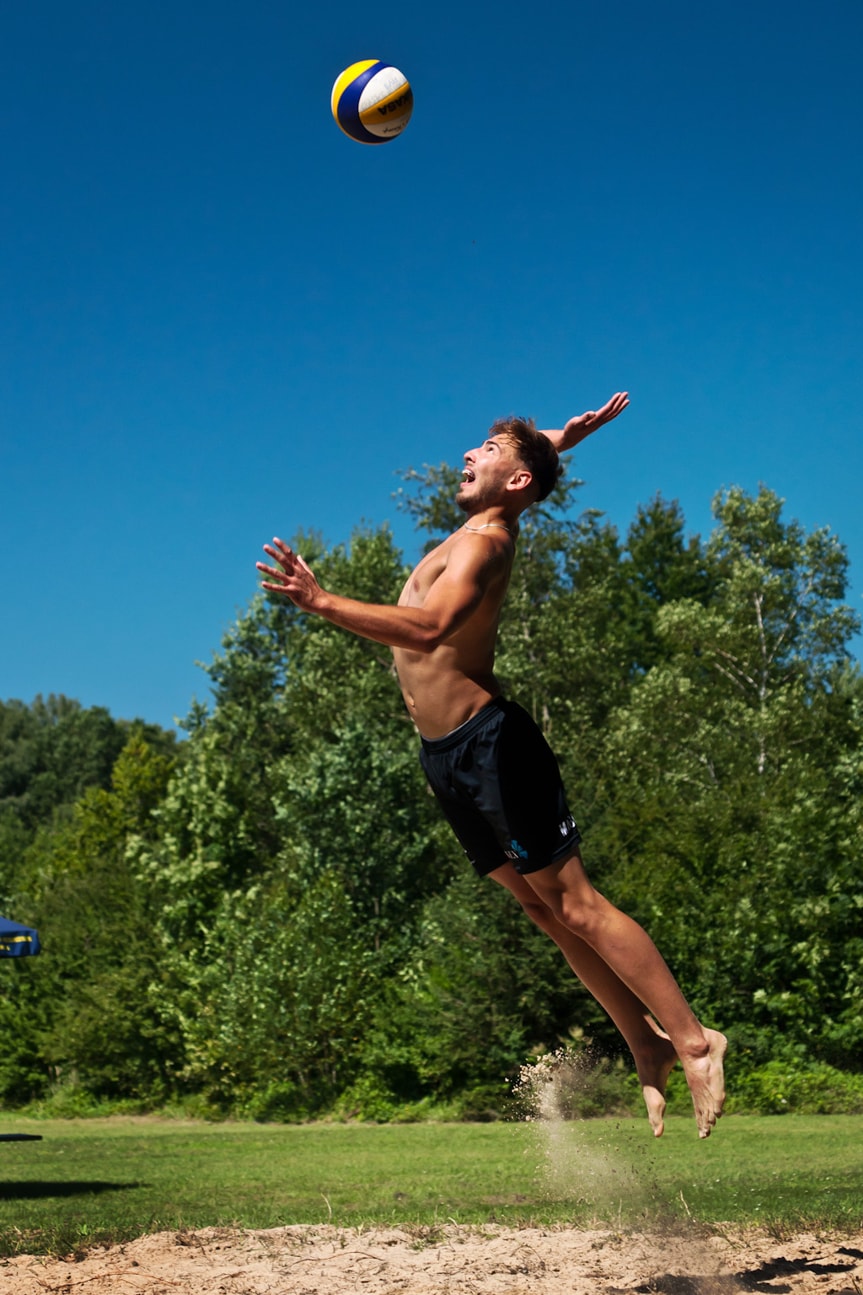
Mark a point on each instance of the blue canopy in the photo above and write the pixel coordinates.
(17, 941)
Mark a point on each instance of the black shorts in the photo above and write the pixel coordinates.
(498, 782)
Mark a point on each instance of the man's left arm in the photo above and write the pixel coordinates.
(580, 427)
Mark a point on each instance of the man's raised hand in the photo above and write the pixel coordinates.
(291, 577)
(581, 426)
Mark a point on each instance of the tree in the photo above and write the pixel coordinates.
(50, 752)
(659, 566)
(481, 990)
(729, 772)
(295, 844)
(81, 1013)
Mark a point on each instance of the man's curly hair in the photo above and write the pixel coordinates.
(534, 449)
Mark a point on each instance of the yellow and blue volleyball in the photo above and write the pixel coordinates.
(372, 101)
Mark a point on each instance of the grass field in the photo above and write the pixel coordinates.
(92, 1180)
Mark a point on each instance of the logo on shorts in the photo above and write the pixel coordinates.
(516, 851)
(567, 826)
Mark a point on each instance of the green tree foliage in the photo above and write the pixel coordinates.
(50, 752)
(275, 919)
(80, 1013)
(660, 565)
(733, 825)
(62, 829)
(481, 990)
(295, 845)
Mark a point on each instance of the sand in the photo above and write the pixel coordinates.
(313, 1260)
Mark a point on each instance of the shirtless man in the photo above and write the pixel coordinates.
(494, 776)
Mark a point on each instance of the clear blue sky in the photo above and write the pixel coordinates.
(223, 320)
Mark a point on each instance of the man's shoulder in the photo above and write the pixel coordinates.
(485, 544)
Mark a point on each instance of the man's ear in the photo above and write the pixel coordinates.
(521, 479)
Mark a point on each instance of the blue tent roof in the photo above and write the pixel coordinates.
(17, 941)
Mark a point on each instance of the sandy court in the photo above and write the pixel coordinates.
(459, 1261)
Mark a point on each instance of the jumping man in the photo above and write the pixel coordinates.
(495, 777)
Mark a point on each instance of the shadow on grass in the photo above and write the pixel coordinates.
(37, 1190)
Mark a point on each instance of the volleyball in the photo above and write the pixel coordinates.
(372, 101)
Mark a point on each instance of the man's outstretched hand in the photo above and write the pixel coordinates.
(291, 577)
(581, 426)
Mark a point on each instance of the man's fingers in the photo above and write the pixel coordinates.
(286, 558)
(268, 571)
(284, 579)
(611, 409)
(280, 553)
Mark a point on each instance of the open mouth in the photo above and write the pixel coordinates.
(467, 475)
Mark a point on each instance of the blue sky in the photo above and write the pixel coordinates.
(222, 320)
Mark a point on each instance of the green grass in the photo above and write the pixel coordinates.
(114, 1179)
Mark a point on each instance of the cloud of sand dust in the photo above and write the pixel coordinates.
(604, 1169)
(579, 1159)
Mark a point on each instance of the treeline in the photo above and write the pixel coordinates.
(271, 919)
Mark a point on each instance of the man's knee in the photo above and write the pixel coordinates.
(577, 910)
(538, 912)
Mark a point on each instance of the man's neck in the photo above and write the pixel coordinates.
(485, 526)
(491, 519)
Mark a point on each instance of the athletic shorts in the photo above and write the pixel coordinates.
(498, 783)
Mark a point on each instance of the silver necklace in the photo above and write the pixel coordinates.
(485, 527)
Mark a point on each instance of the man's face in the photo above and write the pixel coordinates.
(488, 470)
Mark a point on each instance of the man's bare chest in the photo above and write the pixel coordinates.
(425, 573)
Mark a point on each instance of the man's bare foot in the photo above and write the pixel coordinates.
(653, 1070)
(706, 1082)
